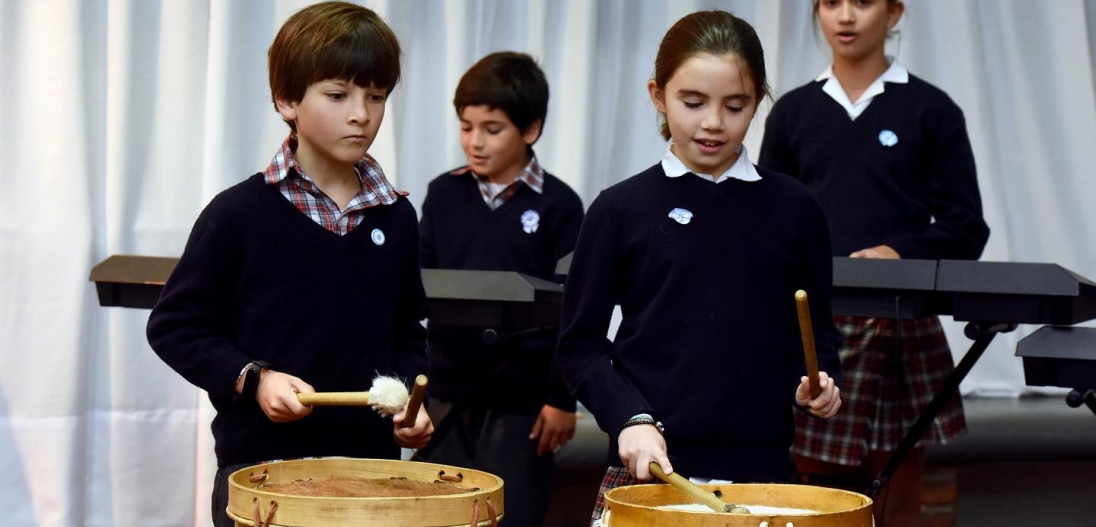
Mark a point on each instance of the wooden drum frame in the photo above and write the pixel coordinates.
(316, 511)
(637, 506)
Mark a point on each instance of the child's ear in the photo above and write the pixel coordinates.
(287, 109)
(658, 96)
(894, 13)
(532, 132)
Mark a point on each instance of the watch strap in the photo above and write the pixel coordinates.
(251, 379)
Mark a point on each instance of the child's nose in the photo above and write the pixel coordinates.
(713, 120)
(846, 13)
(359, 113)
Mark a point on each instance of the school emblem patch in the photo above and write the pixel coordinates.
(681, 216)
(530, 221)
(888, 138)
(377, 236)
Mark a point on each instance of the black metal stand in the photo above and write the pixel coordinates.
(982, 334)
(1079, 396)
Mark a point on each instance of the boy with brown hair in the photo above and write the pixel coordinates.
(304, 277)
(500, 212)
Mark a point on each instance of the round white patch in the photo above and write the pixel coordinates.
(377, 236)
(530, 221)
(888, 138)
(681, 216)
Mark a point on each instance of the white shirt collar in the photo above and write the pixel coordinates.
(896, 73)
(742, 169)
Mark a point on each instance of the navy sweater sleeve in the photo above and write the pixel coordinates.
(958, 230)
(409, 342)
(428, 251)
(568, 230)
(585, 352)
(816, 271)
(560, 395)
(775, 153)
(188, 326)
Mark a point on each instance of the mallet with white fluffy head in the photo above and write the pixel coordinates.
(387, 396)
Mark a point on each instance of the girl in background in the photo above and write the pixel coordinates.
(887, 155)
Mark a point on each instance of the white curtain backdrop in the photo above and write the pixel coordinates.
(120, 119)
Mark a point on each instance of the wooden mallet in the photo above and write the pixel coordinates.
(694, 491)
(418, 392)
(387, 396)
(807, 332)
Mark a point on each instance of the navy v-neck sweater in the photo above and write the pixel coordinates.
(459, 231)
(709, 343)
(259, 280)
(902, 174)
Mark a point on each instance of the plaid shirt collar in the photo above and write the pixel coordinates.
(376, 189)
(531, 176)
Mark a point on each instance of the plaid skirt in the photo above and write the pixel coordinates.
(614, 477)
(887, 384)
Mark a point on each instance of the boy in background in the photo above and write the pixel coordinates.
(507, 401)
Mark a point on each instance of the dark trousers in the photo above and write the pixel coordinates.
(220, 495)
(498, 443)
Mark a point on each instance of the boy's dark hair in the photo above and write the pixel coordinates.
(332, 40)
(509, 81)
(714, 32)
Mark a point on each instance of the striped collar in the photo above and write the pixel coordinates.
(532, 175)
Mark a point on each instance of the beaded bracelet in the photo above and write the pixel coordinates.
(644, 419)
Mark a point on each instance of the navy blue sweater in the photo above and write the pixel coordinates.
(459, 231)
(259, 280)
(919, 195)
(710, 342)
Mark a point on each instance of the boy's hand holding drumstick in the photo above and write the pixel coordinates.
(816, 390)
(277, 396)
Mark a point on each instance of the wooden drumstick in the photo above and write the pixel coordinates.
(413, 404)
(387, 396)
(807, 332)
(334, 398)
(698, 494)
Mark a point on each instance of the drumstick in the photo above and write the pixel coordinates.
(334, 398)
(413, 404)
(807, 332)
(696, 493)
(387, 396)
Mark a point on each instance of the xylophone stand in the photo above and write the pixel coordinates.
(982, 333)
(1079, 396)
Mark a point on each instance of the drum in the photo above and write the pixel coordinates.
(344, 492)
(770, 505)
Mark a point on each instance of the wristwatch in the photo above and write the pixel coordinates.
(251, 379)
